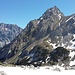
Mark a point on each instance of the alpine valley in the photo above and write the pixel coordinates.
(48, 40)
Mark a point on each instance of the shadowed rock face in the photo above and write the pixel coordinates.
(58, 55)
(39, 56)
(7, 33)
(50, 31)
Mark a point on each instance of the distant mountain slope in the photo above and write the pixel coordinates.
(7, 33)
(40, 38)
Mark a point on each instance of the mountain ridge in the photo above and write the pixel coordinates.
(50, 32)
(7, 33)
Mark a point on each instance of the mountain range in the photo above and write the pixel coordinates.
(7, 33)
(48, 40)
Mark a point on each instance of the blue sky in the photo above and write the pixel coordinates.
(20, 12)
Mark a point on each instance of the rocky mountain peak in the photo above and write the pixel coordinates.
(43, 39)
(53, 11)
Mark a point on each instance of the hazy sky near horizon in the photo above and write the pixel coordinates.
(20, 12)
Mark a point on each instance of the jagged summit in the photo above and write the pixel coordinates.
(52, 11)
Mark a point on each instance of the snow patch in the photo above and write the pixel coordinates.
(9, 51)
(74, 36)
(54, 45)
(31, 47)
(38, 22)
(69, 18)
(45, 70)
(72, 63)
(59, 15)
(41, 18)
(72, 53)
(72, 46)
(72, 42)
